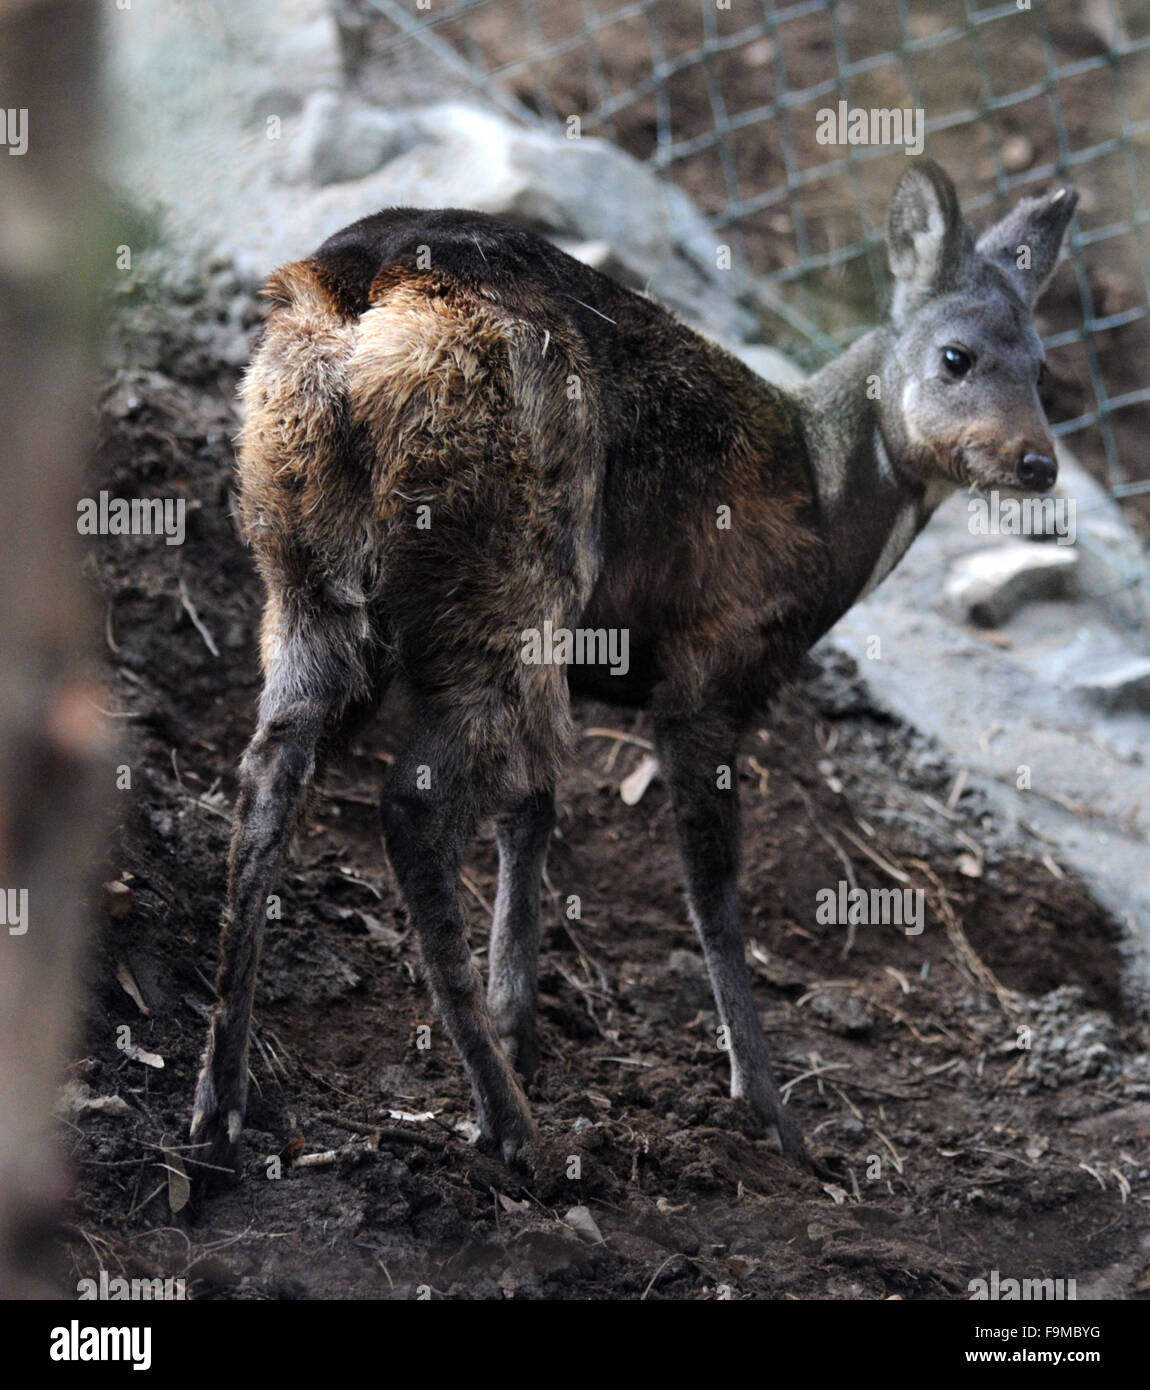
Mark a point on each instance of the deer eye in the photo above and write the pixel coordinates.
(957, 361)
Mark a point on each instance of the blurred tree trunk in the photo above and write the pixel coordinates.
(53, 244)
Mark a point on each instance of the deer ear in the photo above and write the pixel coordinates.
(928, 242)
(1028, 242)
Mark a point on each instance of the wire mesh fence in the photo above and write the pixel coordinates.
(730, 98)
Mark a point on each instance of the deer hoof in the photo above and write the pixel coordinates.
(215, 1135)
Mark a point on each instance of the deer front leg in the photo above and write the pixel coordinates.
(698, 755)
(513, 955)
(274, 772)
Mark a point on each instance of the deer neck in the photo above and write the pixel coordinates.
(871, 503)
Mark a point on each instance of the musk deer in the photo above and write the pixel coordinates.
(455, 435)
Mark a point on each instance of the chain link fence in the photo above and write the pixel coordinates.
(728, 98)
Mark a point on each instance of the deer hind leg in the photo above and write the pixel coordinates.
(693, 750)
(317, 685)
(455, 768)
(523, 833)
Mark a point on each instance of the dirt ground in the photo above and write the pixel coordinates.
(980, 1092)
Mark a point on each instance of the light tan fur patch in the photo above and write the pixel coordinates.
(425, 370)
(296, 378)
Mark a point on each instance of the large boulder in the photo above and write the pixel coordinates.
(354, 158)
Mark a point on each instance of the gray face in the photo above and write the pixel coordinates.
(966, 372)
(960, 389)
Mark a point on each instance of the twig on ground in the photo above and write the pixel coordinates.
(197, 622)
(873, 855)
(968, 959)
(470, 885)
(674, 1255)
(844, 859)
(383, 1133)
(820, 1070)
(621, 737)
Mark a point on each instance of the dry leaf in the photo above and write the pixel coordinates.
(633, 786)
(179, 1188)
(150, 1059)
(76, 1098)
(583, 1223)
(326, 1159)
(386, 936)
(130, 987)
(510, 1204)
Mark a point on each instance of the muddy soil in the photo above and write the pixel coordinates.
(979, 1092)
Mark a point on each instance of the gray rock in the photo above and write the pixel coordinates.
(988, 586)
(1122, 685)
(1112, 555)
(602, 256)
(304, 44)
(575, 191)
(461, 156)
(340, 138)
(1069, 1042)
(768, 363)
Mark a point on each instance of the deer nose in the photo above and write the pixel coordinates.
(1037, 471)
